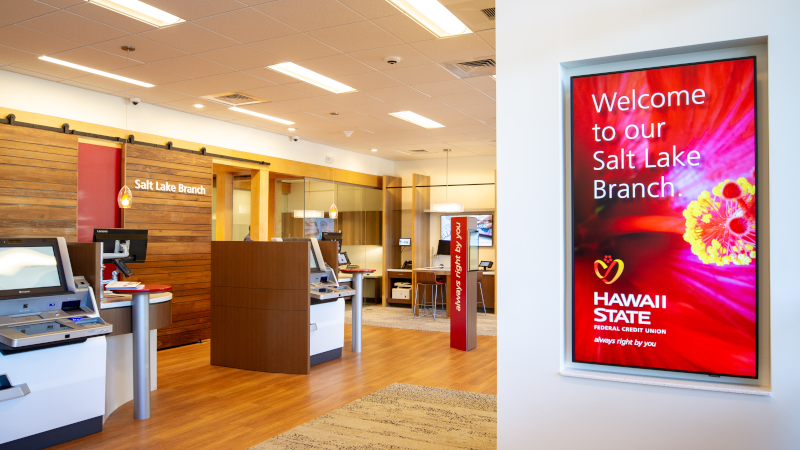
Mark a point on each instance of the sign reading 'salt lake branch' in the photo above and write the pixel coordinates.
(166, 186)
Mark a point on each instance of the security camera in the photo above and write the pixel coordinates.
(135, 101)
(392, 59)
(295, 138)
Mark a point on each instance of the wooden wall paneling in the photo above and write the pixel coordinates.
(420, 224)
(179, 235)
(392, 227)
(38, 183)
(374, 230)
(260, 306)
(86, 259)
(259, 205)
(224, 231)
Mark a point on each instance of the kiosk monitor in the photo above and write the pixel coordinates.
(31, 267)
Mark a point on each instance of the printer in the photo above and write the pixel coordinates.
(52, 347)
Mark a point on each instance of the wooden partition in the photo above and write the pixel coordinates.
(330, 253)
(38, 183)
(86, 258)
(392, 229)
(260, 306)
(179, 236)
(420, 225)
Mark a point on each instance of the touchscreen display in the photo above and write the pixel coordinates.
(28, 267)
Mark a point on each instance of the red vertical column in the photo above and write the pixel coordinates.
(98, 184)
(459, 265)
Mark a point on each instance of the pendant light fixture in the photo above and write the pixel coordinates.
(125, 196)
(447, 207)
(333, 212)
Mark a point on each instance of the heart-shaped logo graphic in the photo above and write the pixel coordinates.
(608, 268)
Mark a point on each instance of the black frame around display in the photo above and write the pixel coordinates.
(572, 218)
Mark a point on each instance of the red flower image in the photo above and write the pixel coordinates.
(663, 178)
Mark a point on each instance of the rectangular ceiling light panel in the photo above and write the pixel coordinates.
(140, 11)
(95, 71)
(309, 76)
(416, 119)
(433, 16)
(263, 116)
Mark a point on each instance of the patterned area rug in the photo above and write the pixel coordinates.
(393, 317)
(400, 417)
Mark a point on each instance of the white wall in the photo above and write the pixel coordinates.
(538, 408)
(24, 93)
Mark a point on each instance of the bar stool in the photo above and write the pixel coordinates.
(427, 279)
(480, 286)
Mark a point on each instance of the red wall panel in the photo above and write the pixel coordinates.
(99, 181)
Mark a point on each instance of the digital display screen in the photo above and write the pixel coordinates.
(404, 242)
(28, 268)
(664, 218)
(484, 235)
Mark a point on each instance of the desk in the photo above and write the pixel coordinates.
(487, 285)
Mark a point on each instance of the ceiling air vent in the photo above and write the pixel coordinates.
(473, 68)
(477, 15)
(234, 99)
(489, 13)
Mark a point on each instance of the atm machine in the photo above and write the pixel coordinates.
(52, 349)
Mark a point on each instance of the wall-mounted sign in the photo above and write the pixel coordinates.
(664, 218)
(166, 186)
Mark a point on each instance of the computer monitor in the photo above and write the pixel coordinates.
(404, 242)
(331, 236)
(113, 239)
(31, 267)
(444, 248)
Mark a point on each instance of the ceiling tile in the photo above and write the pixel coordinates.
(379, 110)
(485, 83)
(156, 95)
(188, 103)
(307, 15)
(196, 87)
(62, 3)
(195, 9)
(246, 25)
(193, 67)
(54, 70)
(33, 41)
(488, 37)
(457, 48)
(455, 86)
(275, 109)
(336, 65)
(10, 55)
(18, 10)
(29, 73)
(94, 58)
(238, 81)
(74, 27)
(277, 93)
(371, 80)
(375, 57)
(404, 28)
(296, 47)
(241, 57)
(421, 74)
(150, 74)
(147, 51)
(372, 9)
(356, 36)
(395, 93)
(481, 111)
(349, 99)
(307, 88)
(103, 82)
(111, 18)
(447, 116)
(417, 103)
(88, 87)
(190, 38)
(472, 98)
(308, 104)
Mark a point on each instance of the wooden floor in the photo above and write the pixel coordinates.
(198, 405)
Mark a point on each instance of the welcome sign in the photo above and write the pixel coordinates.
(664, 218)
(166, 186)
(459, 266)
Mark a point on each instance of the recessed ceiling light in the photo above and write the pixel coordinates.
(433, 16)
(374, 150)
(292, 129)
(416, 119)
(95, 71)
(309, 76)
(263, 116)
(139, 11)
(198, 105)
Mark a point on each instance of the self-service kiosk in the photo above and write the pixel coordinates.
(52, 349)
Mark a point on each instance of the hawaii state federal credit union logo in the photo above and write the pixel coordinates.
(608, 265)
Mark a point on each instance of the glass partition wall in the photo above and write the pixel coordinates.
(302, 209)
